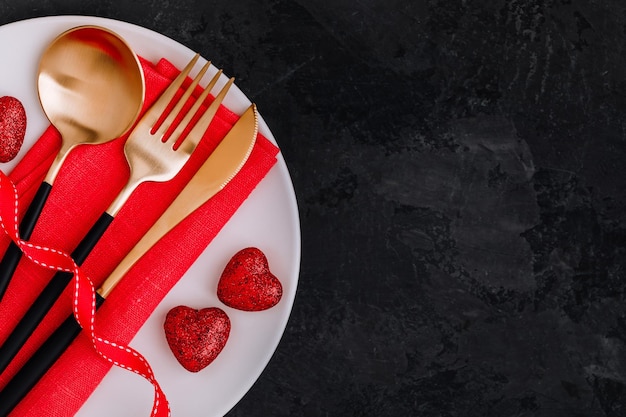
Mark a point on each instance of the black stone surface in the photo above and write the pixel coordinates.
(458, 170)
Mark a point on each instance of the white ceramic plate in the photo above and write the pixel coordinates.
(254, 336)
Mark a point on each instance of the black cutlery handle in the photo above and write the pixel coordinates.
(51, 292)
(92, 237)
(13, 254)
(42, 360)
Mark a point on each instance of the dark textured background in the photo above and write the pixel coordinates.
(458, 169)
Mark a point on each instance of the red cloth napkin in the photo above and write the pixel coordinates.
(86, 185)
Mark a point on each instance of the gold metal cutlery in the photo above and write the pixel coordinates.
(152, 156)
(91, 88)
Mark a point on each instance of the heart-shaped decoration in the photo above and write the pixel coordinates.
(247, 283)
(12, 127)
(196, 337)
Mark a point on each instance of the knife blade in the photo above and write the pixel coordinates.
(216, 172)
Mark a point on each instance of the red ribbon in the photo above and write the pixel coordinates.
(84, 296)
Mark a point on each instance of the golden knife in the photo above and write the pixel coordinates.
(219, 168)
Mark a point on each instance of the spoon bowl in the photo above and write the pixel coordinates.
(91, 88)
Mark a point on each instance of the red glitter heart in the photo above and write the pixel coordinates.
(247, 283)
(12, 127)
(196, 337)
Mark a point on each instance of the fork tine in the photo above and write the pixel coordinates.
(193, 115)
(156, 112)
(166, 123)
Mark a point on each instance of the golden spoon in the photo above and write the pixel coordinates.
(91, 88)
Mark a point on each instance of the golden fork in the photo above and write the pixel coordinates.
(150, 159)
